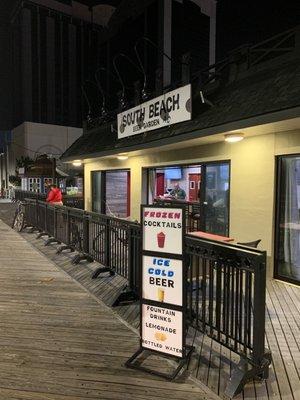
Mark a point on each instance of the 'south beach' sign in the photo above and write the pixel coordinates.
(168, 109)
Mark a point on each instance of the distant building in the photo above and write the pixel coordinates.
(58, 46)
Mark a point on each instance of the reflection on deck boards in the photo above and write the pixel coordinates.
(213, 363)
(59, 343)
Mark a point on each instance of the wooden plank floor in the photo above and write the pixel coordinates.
(212, 363)
(59, 343)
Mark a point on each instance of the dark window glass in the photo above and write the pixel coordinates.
(117, 196)
(288, 221)
(217, 198)
(190, 33)
(58, 71)
(96, 191)
(35, 66)
(43, 66)
(111, 193)
(65, 74)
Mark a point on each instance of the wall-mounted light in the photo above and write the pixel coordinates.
(77, 163)
(122, 158)
(234, 137)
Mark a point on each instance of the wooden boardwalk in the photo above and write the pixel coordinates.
(212, 363)
(58, 342)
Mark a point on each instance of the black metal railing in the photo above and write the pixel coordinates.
(113, 242)
(278, 45)
(215, 220)
(21, 195)
(226, 286)
(226, 283)
(69, 201)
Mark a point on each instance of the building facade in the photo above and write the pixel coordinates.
(247, 190)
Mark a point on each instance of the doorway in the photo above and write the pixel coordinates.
(287, 230)
(194, 187)
(160, 183)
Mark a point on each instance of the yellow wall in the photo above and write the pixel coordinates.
(252, 183)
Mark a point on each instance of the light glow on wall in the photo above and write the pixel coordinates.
(234, 137)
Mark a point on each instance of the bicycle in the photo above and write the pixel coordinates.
(19, 222)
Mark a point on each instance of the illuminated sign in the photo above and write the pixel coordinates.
(165, 110)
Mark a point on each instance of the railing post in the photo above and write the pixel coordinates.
(68, 230)
(36, 214)
(259, 311)
(55, 223)
(46, 218)
(130, 258)
(85, 234)
(107, 243)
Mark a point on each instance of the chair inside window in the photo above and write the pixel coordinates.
(194, 218)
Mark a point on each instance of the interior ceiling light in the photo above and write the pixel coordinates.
(122, 157)
(234, 137)
(77, 163)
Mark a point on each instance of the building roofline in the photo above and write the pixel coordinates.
(262, 119)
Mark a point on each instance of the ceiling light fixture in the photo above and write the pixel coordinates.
(122, 158)
(234, 137)
(77, 163)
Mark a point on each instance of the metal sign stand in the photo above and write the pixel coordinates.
(163, 276)
(134, 363)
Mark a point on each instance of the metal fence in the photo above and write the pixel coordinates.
(226, 299)
(69, 201)
(226, 283)
(113, 242)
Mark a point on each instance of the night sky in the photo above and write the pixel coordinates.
(238, 22)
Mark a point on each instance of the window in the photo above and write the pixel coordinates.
(34, 185)
(180, 182)
(203, 188)
(117, 189)
(287, 254)
(111, 193)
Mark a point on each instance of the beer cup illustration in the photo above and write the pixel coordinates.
(161, 295)
(161, 240)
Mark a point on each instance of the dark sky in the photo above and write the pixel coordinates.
(251, 21)
(238, 22)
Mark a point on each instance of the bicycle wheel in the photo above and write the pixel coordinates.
(19, 222)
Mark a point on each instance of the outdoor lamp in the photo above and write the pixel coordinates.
(122, 157)
(234, 137)
(77, 163)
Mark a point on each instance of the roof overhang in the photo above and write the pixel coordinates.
(283, 120)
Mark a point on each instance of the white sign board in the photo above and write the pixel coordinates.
(162, 280)
(165, 110)
(162, 330)
(162, 230)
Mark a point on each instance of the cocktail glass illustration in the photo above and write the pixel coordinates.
(161, 295)
(161, 240)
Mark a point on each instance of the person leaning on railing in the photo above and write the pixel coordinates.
(54, 196)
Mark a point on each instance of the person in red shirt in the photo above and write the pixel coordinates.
(54, 196)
